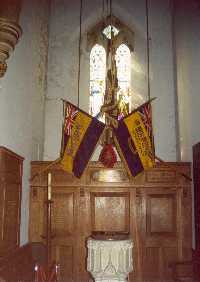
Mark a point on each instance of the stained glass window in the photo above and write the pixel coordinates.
(123, 63)
(97, 78)
(107, 31)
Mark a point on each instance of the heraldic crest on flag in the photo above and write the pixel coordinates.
(134, 139)
(81, 133)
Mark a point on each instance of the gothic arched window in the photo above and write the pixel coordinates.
(97, 78)
(123, 64)
(98, 41)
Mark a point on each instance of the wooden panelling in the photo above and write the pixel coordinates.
(18, 264)
(154, 209)
(162, 176)
(10, 199)
(152, 264)
(11, 211)
(161, 234)
(104, 176)
(36, 217)
(161, 214)
(65, 240)
(64, 254)
(157, 263)
(196, 264)
(196, 176)
(59, 177)
(169, 254)
(63, 214)
(110, 212)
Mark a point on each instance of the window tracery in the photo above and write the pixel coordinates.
(100, 39)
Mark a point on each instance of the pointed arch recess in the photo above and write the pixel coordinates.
(125, 35)
(97, 44)
(97, 78)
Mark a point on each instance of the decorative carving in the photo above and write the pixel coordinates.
(10, 33)
(109, 260)
(161, 176)
(108, 175)
(82, 192)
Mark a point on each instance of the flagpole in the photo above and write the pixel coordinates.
(63, 122)
(148, 73)
(45, 169)
(48, 222)
(49, 271)
(148, 57)
(79, 49)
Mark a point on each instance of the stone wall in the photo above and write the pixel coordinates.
(63, 66)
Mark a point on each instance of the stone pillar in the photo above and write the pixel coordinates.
(109, 260)
(10, 31)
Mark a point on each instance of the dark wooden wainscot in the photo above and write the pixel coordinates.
(10, 200)
(154, 208)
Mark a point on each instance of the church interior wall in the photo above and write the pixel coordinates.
(31, 109)
(187, 21)
(162, 79)
(22, 96)
(62, 75)
(187, 42)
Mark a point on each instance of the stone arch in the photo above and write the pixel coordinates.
(125, 35)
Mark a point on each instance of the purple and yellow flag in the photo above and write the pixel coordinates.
(134, 139)
(81, 133)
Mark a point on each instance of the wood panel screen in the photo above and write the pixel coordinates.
(110, 212)
(64, 229)
(10, 199)
(161, 214)
(160, 233)
(63, 213)
(154, 209)
(196, 176)
(64, 226)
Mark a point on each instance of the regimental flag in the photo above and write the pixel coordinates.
(134, 139)
(145, 112)
(81, 133)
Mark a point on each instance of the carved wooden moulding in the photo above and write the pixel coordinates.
(10, 32)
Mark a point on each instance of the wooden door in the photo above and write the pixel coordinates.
(196, 177)
(159, 232)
